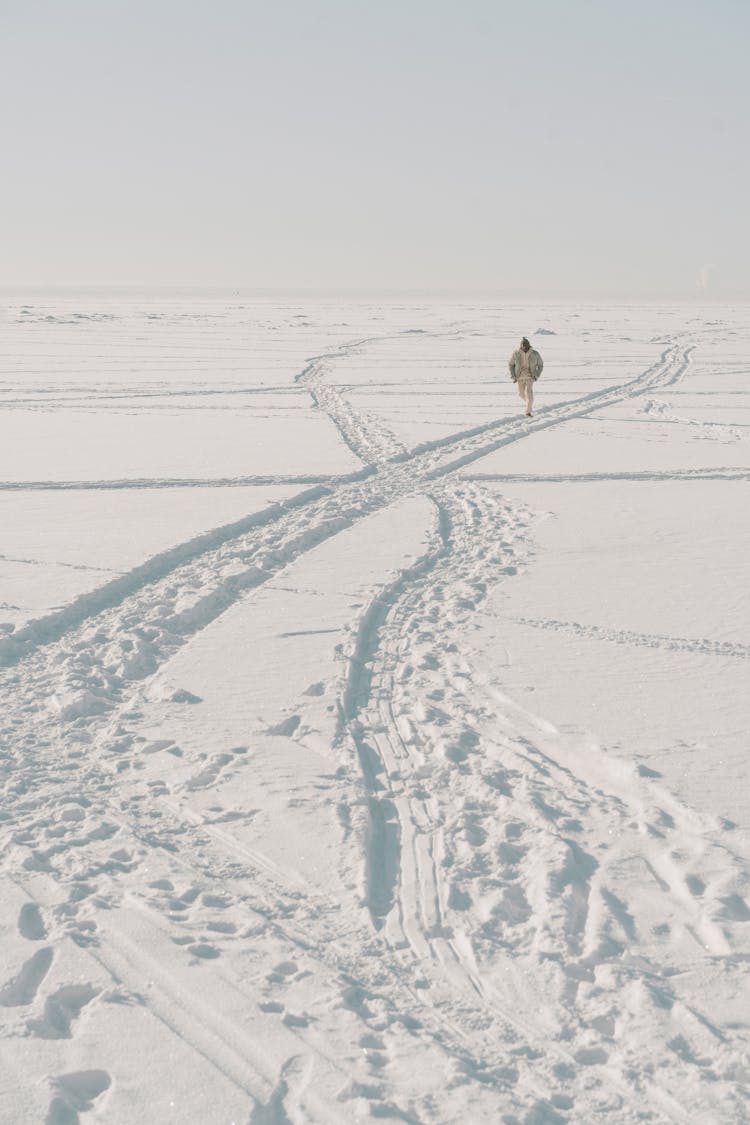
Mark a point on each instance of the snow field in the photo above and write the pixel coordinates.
(358, 796)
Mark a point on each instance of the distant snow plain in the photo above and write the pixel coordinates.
(368, 749)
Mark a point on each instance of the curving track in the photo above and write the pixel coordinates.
(504, 943)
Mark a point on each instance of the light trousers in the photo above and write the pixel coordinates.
(526, 390)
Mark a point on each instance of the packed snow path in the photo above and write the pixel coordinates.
(522, 916)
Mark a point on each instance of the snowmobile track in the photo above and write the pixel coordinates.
(444, 892)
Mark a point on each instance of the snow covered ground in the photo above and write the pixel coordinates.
(369, 750)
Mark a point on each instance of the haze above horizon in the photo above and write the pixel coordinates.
(538, 149)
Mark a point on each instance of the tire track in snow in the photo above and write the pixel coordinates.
(408, 892)
(572, 893)
(179, 603)
(140, 618)
(54, 626)
(171, 830)
(383, 846)
(408, 861)
(167, 600)
(345, 503)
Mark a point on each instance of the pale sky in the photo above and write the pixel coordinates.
(539, 147)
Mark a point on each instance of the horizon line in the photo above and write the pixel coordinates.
(366, 292)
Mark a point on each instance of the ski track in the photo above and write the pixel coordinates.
(644, 640)
(606, 478)
(724, 432)
(141, 483)
(500, 876)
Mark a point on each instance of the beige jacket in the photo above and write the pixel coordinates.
(516, 364)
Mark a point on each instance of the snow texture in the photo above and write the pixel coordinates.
(368, 749)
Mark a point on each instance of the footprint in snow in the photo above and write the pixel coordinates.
(226, 928)
(286, 727)
(291, 1019)
(182, 695)
(215, 902)
(185, 909)
(458, 899)
(76, 1093)
(22, 989)
(202, 951)
(61, 1009)
(210, 773)
(292, 1079)
(282, 972)
(736, 908)
(30, 922)
(695, 885)
(157, 745)
(162, 885)
(498, 780)
(591, 1056)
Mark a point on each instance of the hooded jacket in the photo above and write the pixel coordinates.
(515, 364)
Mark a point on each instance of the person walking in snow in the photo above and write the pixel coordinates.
(525, 367)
